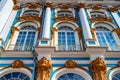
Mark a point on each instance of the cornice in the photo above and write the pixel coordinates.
(100, 19)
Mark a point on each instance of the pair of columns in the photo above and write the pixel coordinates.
(83, 18)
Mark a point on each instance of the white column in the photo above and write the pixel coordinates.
(116, 17)
(85, 25)
(46, 26)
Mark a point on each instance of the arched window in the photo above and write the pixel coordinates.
(116, 76)
(26, 38)
(95, 14)
(15, 76)
(71, 76)
(31, 13)
(66, 38)
(105, 38)
(64, 13)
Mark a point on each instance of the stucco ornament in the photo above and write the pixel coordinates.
(17, 64)
(99, 69)
(43, 69)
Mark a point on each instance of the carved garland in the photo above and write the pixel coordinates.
(64, 18)
(67, 6)
(117, 30)
(29, 18)
(99, 69)
(101, 19)
(32, 5)
(43, 69)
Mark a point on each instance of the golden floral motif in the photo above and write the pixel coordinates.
(99, 69)
(30, 18)
(99, 19)
(43, 69)
(17, 64)
(117, 30)
(64, 18)
(70, 64)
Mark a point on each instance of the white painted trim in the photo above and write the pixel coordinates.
(113, 72)
(10, 70)
(76, 71)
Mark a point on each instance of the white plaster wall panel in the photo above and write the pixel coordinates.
(11, 61)
(2, 3)
(8, 25)
(77, 61)
(5, 13)
(117, 18)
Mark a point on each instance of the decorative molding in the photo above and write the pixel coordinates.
(16, 7)
(53, 35)
(17, 64)
(95, 7)
(29, 18)
(61, 6)
(81, 5)
(117, 30)
(92, 32)
(32, 5)
(64, 18)
(48, 5)
(43, 69)
(79, 33)
(99, 69)
(100, 19)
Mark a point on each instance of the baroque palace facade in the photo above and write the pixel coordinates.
(59, 39)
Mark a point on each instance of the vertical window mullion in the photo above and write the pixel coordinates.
(24, 45)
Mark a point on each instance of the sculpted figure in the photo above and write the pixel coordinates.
(98, 68)
(43, 69)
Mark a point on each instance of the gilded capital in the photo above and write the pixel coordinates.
(16, 7)
(112, 9)
(48, 5)
(98, 68)
(81, 5)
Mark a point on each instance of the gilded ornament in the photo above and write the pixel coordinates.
(117, 30)
(17, 64)
(32, 5)
(49, 5)
(92, 32)
(43, 69)
(14, 1)
(100, 19)
(112, 9)
(64, 18)
(81, 5)
(99, 69)
(29, 18)
(16, 7)
(70, 64)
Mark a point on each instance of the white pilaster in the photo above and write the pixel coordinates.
(46, 26)
(85, 25)
(116, 17)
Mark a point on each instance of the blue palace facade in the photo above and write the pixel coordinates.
(59, 39)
